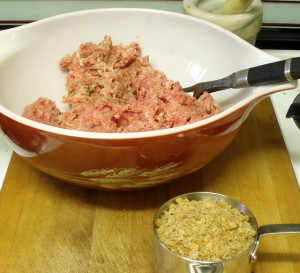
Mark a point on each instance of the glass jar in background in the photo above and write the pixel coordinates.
(242, 17)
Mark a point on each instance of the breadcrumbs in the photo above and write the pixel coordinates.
(205, 230)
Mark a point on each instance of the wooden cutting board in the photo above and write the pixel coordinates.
(50, 226)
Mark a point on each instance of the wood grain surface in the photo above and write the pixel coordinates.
(50, 226)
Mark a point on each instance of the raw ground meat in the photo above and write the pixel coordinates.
(111, 88)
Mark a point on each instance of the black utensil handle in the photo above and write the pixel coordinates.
(295, 68)
(281, 71)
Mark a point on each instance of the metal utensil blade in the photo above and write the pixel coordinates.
(209, 86)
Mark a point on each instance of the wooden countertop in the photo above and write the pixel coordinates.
(51, 226)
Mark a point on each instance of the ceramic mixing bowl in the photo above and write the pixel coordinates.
(187, 49)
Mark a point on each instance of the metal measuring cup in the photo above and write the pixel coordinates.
(166, 261)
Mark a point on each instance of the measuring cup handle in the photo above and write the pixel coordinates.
(278, 229)
(273, 229)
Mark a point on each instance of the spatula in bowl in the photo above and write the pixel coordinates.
(276, 72)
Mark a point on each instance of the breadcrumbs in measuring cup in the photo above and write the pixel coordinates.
(205, 230)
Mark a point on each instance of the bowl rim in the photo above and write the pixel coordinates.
(133, 135)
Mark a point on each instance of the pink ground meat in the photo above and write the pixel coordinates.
(111, 88)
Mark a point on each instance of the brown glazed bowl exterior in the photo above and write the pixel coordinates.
(29, 57)
(121, 163)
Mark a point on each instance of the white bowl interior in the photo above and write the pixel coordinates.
(185, 48)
